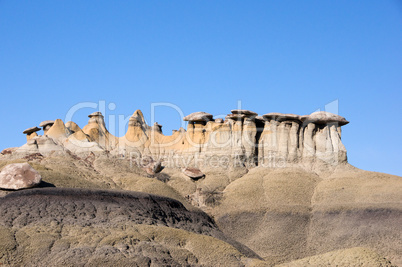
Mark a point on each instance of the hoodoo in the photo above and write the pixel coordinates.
(272, 140)
(46, 125)
(31, 132)
(278, 183)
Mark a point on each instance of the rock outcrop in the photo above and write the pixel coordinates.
(289, 139)
(31, 132)
(41, 144)
(97, 132)
(19, 176)
(46, 125)
(243, 139)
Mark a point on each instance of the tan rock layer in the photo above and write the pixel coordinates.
(243, 139)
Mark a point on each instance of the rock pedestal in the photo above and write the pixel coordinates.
(243, 139)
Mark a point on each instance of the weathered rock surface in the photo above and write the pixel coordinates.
(8, 151)
(288, 213)
(235, 116)
(357, 256)
(41, 144)
(73, 127)
(79, 208)
(19, 176)
(283, 214)
(312, 142)
(31, 132)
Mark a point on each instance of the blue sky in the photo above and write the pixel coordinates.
(273, 56)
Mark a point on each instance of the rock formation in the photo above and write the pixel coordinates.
(278, 183)
(289, 139)
(243, 139)
(46, 125)
(19, 176)
(31, 132)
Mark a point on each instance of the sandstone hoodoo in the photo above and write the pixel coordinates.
(312, 142)
(31, 132)
(19, 176)
(157, 127)
(241, 114)
(95, 114)
(46, 125)
(73, 127)
(280, 184)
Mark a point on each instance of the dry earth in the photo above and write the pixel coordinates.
(234, 217)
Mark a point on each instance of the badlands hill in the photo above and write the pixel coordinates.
(245, 191)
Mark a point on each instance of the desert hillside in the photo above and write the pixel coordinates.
(245, 191)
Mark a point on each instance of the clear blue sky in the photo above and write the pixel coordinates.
(274, 56)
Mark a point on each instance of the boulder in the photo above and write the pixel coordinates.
(193, 173)
(157, 166)
(151, 166)
(19, 176)
(198, 117)
(219, 120)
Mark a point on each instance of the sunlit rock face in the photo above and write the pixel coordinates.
(243, 139)
(289, 139)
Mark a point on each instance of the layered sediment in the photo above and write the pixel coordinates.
(243, 139)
